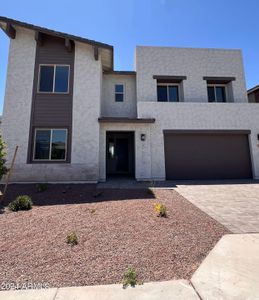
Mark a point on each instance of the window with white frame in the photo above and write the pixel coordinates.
(167, 92)
(119, 92)
(50, 144)
(53, 79)
(216, 92)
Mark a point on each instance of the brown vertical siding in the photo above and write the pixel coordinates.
(52, 110)
(257, 96)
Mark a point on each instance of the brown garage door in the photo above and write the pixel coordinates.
(207, 155)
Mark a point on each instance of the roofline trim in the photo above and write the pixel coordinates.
(253, 89)
(55, 33)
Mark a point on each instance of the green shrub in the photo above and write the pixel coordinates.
(21, 203)
(3, 168)
(129, 278)
(161, 209)
(41, 187)
(72, 238)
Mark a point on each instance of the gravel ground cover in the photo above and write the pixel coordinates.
(115, 228)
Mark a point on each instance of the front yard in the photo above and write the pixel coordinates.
(115, 228)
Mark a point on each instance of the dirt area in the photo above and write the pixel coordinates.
(116, 229)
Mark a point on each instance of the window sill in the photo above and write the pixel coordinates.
(51, 93)
(40, 162)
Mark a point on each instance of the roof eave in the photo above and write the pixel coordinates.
(12, 22)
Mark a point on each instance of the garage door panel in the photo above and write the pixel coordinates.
(207, 156)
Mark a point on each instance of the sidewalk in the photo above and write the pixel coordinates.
(167, 290)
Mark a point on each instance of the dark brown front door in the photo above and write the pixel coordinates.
(120, 153)
(207, 156)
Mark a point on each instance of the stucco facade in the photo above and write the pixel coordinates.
(192, 63)
(95, 112)
(127, 108)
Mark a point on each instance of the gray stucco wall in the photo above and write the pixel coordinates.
(193, 63)
(127, 108)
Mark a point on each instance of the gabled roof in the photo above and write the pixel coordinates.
(11, 22)
(254, 89)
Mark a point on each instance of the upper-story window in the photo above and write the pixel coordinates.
(119, 92)
(216, 93)
(53, 79)
(167, 92)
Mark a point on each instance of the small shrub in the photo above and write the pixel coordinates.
(41, 187)
(93, 210)
(161, 209)
(129, 278)
(3, 168)
(21, 203)
(72, 238)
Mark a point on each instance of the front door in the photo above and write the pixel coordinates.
(120, 153)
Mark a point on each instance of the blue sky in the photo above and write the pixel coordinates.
(125, 24)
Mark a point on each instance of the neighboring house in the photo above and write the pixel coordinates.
(253, 94)
(183, 114)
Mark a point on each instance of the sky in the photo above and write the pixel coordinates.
(125, 24)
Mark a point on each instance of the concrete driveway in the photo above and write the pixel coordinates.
(234, 205)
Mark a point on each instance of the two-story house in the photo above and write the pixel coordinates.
(182, 114)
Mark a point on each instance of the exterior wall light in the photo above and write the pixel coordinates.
(143, 137)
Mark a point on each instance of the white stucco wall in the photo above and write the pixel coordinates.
(241, 116)
(86, 110)
(18, 94)
(193, 63)
(127, 108)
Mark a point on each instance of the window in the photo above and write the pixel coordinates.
(167, 93)
(50, 144)
(119, 92)
(53, 79)
(216, 93)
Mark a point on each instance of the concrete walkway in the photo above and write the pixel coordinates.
(234, 205)
(231, 270)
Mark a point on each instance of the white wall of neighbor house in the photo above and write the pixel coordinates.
(242, 116)
(142, 148)
(194, 63)
(127, 108)
(18, 94)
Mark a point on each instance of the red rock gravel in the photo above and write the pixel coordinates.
(123, 231)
